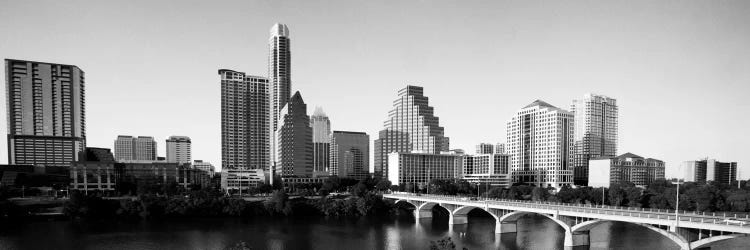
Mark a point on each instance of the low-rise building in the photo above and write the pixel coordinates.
(629, 167)
(491, 169)
(420, 168)
(242, 180)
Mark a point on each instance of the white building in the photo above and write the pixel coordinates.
(595, 132)
(178, 149)
(420, 168)
(204, 166)
(540, 143)
(492, 169)
(138, 149)
(241, 180)
(626, 168)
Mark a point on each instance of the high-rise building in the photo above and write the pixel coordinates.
(245, 114)
(419, 168)
(350, 154)
(710, 170)
(626, 168)
(500, 148)
(595, 133)
(46, 112)
(129, 148)
(485, 148)
(540, 143)
(321, 127)
(279, 75)
(294, 157)
(178, 149)
(411, 127)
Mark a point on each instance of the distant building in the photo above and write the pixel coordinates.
(710, 170)
(46, 111)
(485, 148)
(294, 156)
(350, 154)
(245, 124)
(492, 169)
(540, 145)
(204, 166)
(130, 149)
(240, 181)
(500, 148)
(321, 129)
(626, 168)
(419, 168)
(595, 132)
(411, 127)
(178, 149)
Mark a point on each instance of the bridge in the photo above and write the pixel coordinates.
(689, 230)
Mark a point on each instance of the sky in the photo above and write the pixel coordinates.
(678, 69)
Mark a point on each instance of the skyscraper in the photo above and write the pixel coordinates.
(294, 156)
(178, 149)
(279, 75)
(595, 133)
(129, 149)
(46, 112)
(321, 127)
(245, 114)
(411, 127)
(350, 154)
(540, 142)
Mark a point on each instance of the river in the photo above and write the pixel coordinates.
(401, 232)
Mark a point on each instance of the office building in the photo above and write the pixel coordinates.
(135, 149)
(94, 171)
(178, 149)
(279, 75)
(411, 126)
(46, 112)
(595, 132)
(245, 114)
(491, 169)
(626, 168)
(500, 148)
(350, 154)
(204, 166)
(321, 128)
(485, 148)
(707, 170)
(540, 143)
(240, 181)
(419, 168)
(294, 155)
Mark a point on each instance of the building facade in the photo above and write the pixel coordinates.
(240, 181)
(321, 129)
(485, 148)
(595, 132)
(178, 149)
(350, 154)
(540, 145)
(46, 111)
(491, 169)
(419, 168)
(279, 75)
(245, 121)
(626, 168)
(294, 155)
(411, 126)
(132, 149)
(204, 166)
(710, 170)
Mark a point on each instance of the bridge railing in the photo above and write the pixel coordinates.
(692, 216)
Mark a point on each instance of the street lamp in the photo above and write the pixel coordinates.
(677, 203)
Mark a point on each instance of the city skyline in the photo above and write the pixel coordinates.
(660, 122)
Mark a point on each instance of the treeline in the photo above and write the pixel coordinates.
(661, 194)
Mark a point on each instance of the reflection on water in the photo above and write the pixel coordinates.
(403, 232)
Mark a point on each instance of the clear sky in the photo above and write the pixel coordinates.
(680, 70)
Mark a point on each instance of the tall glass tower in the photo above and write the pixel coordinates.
(595, 133)
(321, 127)
(294, 154)
(279, 75)
(411, 127)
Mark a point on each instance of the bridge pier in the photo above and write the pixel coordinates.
(505, 227)
(576, 239)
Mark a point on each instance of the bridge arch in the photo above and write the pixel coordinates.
(464, 210)
(407, 202)
(710, 240)
(514, 216)
(677, 239)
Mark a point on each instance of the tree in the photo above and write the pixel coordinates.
(539, 194)
(359, 190)
(383, 184)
